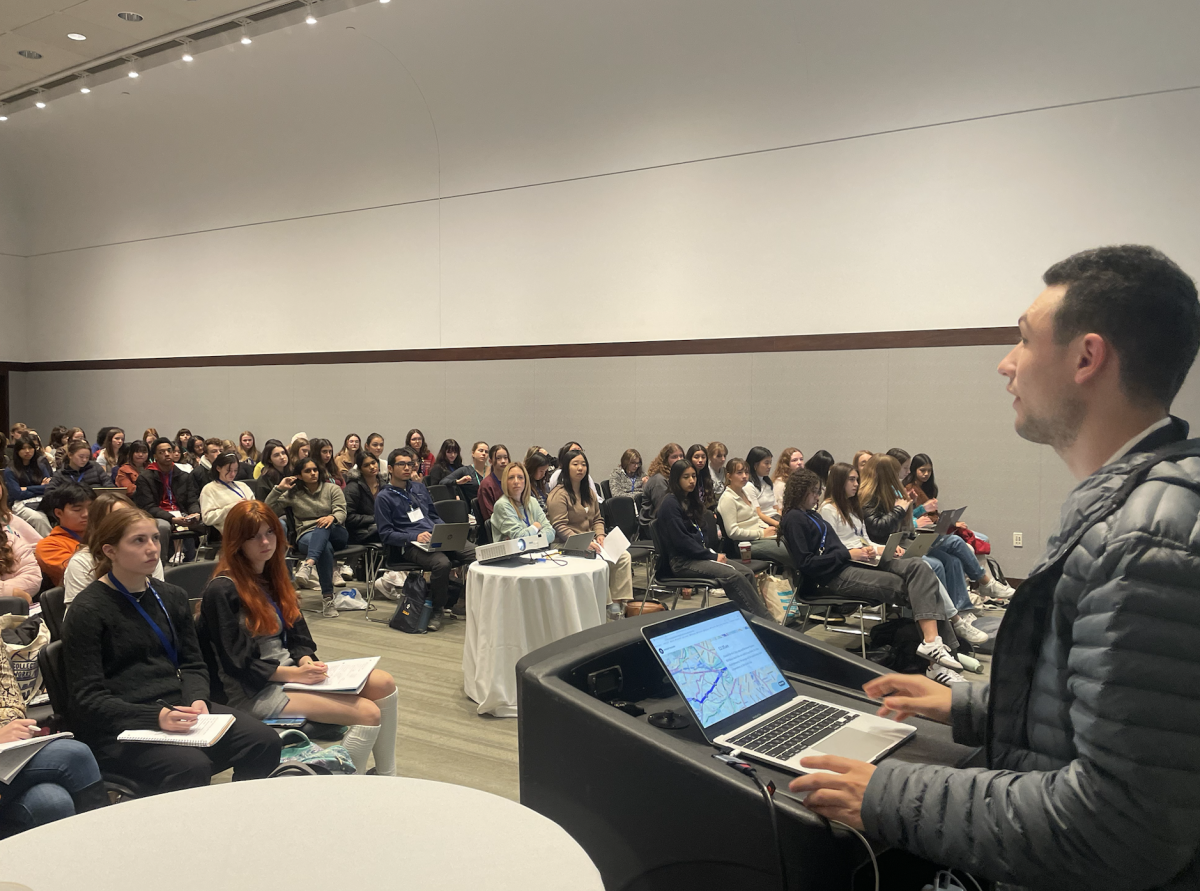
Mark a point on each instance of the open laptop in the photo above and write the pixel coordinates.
(446, 537)
(742, 702)
(914, 546)
(946, 521)
(577, 545)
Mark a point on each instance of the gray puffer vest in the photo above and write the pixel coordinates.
(1092, 719)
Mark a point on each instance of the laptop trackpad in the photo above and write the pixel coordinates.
(850, 743)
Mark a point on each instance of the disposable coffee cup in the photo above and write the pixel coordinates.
(744, 549)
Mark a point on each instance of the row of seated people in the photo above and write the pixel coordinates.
(136, 659)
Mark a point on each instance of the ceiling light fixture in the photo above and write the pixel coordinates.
(130, 16)
(385, 1)
(76, 36)
(40, 102)
(310, 19)
(132, 72)
(29, 54)
(83, 84)
(187, 49)
(246, 41)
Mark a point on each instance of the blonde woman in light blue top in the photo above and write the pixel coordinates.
(517, 513)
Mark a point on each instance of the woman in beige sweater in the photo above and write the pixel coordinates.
(740, 517)
(319, 509)
(573, 510)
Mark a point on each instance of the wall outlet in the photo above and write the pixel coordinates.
(1018, 542)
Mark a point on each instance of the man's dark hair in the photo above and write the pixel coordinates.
(403, 450)
(157, 443)
(69, 492)
(1140, 302)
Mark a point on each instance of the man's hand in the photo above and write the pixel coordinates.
(905, 695)
(17, 729)
(838, 795)
(325, 522)
(425, 537)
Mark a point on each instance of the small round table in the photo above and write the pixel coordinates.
(514, 609)
(310, 832)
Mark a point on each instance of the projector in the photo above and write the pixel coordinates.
(502, 550)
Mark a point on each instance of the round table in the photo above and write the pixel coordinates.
(310, 832)
(514, 609)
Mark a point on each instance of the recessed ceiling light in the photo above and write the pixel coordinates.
(3, 117)
(74, 36)
(129, 16)
(41, 101)
(187, 57)
(133, 73)
(29, 54)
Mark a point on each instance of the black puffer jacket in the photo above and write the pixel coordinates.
(1092, 719)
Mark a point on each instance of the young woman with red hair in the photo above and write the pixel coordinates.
(253, 624)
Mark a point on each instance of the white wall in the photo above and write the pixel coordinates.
(325, 168)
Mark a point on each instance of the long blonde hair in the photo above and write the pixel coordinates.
(881, 486)
(526, 493)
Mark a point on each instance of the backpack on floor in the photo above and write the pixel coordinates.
(299, 749)
(407, 617)
(893, 644)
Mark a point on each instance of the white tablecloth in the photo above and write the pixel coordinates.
(303, 832)
(513, 610)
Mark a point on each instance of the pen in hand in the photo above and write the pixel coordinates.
(168, 706)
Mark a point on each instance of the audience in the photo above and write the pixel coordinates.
(490, 489)
(405, 515)
(760, 489)
(218, 497)
(131, 651)
(538, 467)
(80, 570)
(20, 573)
(68, 504)
(182, 438)
(683, 551)
(573, 509)
(79, 468)
(743, 520)
(517, 513)
(346, 460)
(169, 495)
(697, 455)
(790, 459)
(196, 449)
(322, 452)
(360, 501)
(132, 461)
(860, 459)
(819, 464)
(718, 452)
(470, 477)
(28, 473)
(318, 508)
(149, 435)
(415, 440)
(375, 447)
(627, 478)
(448, 460)
(202, 473)
(253, 624)
(902, 458)
(247, 450)
(297, 450)
(657, 480)
(109, 456)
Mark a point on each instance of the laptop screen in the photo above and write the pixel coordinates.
(720, 666)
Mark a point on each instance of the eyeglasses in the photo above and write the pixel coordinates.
(403, 464)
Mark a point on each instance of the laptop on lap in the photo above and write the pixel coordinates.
(742, 703)
(446, 537)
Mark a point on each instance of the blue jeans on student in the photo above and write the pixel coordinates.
(318, 545)
(956, 557)
(41, 792)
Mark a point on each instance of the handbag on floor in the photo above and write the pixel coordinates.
(407, 617)
(776, 591)
(299, 748)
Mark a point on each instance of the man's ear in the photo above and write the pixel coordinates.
(1093, 356)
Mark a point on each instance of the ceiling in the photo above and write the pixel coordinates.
(42, 26)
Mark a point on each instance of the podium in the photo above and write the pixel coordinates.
(652, 808)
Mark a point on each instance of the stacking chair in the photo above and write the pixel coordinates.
(606, 489)
(483, 531)
(619, 512)
(668, 583)
(451, 511)
(823, 598)
(730, 548)
(443, 493)
(54, 609)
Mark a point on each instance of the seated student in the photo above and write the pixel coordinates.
(253, 623)
(718, 453)
(841, 509)
(657, 479)
(860, 459)
(109, 454)
(790, 459)
(554, 477)
(80, 568)
(182, 437)
(262, 457)
(275, 467)
(150, 434)
(101, 438)
(404, 514)
(219, 496)
(490, 489)
(133, 459)
(903, 459)
(202, 473)
(698, 456)
(572, 509)
(346, 461)
(131, 650)
(740, 516)
(80, 469)
(248, 454)
(68, 505)
(470, 477)
(195, 452)
(44, 452)
(819, 464)
(627, 478)
(415, 440)
(760, 488)
(322, 451)
(683, 549)
(319, 509)
(360, 501)
(517, 513)
(28, 473)
(168, 494)
(374, 446)
(448, 460)
(61, 780)
(537, 466)
(822, 559)
(297, 450)
(20, 574)
(57, 443)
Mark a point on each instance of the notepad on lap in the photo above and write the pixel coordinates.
(207, 730)
(345, 676)
(16, 754)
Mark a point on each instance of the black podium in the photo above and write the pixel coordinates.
(652, 808)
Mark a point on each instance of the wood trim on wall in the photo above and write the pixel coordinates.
(878, 340)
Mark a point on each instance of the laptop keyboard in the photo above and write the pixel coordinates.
(797, 728)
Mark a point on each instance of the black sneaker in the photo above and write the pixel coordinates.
(435, 624)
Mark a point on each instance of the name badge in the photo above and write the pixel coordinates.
(415, 515)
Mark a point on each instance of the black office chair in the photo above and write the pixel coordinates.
(665, 582)
(54, 609)
(15, 606)
(606, 489)
(443, 493)
(619, 512)
(823, 598)
(729, 547)
(192, 577)
(483, 531)
(451, 511)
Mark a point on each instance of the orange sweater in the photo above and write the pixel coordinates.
(54, 552)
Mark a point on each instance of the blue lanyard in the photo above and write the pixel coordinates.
(79, 479)
(525, 511)
(232, 488)
(168, 643)
(824, 531)
(403, 493)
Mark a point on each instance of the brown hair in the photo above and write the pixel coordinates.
(782, 466)
(660, 464)
(881, 488)
(858, 455)
(797, 488)
(8, 559)
(629, 455)
(713, 446)
(110, 531)
(105, 504)
(835, 492)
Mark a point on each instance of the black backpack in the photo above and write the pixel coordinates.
(893, 644)
(407, 617)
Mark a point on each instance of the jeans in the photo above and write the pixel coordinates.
(318, 545)
(41, 792)
(949, 570)
(438, 564)
(734, 577)
(771, 549)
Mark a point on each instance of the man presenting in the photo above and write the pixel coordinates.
(1092, 717)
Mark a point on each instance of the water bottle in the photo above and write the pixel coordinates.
(423, 621)
(615, 612)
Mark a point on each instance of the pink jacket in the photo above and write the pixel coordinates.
(27, 575)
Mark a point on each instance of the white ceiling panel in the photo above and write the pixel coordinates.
(53, 58)
(53, 30)
(159, 18)
(15, 13)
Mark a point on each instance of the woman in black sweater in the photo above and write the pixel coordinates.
(253, 625)
(134, 663)
(683, 552)
(360, 501)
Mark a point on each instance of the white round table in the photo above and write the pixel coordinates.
(303, 832)
(513, 610)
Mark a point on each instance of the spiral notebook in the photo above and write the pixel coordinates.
(16, 754)
(345, 676)
(206, 732)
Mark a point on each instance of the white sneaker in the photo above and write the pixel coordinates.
(344, 571)
(966, 631)
(328, 610)
(386, 591)
(937, 654)
(944, 675)
(304, 576)
(996, 589)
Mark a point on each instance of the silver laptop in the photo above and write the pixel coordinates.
(946, 521)
(742, 702)
(446, 537)
(577, 545)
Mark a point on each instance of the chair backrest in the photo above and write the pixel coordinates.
(451, 511)
(215, 688)
(728, 545)
(54, 672)
(663, 563)
(54, 608)
(483, 532)
(621, 512)
(442, 493)
(606, 489)
(192, 577)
